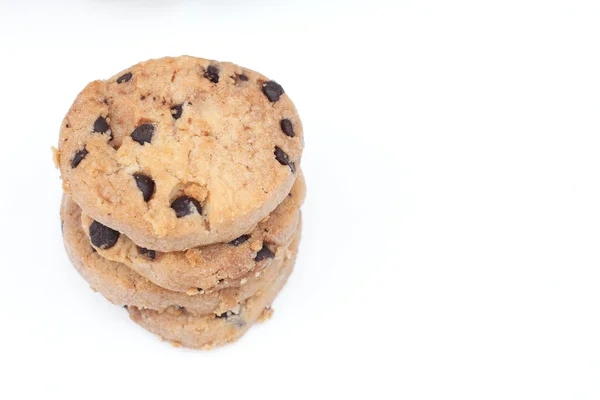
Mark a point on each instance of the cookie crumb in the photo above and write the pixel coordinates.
(256, 245)
(266, 314)
(55, 157)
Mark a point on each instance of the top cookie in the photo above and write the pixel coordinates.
(180, 152)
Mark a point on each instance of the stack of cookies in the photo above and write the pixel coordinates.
(182, 195)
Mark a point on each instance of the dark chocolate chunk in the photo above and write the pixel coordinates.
(145, 184)
(78, 157)
(151, 254)
(232, 318)
(212, 74)
(240, 240)
(102, 236)
(101, 126)
(239, 78)
(143, 133)
(283, 158)
(272, 90)
(176, 111)
(185, 205)
(287, 128)
(124, 78)
(224, 315)
(263, 253)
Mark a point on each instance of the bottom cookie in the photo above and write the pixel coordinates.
(205, 332)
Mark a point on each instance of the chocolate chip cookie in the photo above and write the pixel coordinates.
(179, 152)
(123, 286)
(213, 267)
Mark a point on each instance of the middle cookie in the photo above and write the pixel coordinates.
(203, 269)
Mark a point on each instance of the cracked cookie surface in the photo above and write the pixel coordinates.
(123, 286)
(207, 268)
(180, 152)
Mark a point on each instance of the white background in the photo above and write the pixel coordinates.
(452, 225)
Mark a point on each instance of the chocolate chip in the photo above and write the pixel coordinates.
(240, 240)
(145, 184)
(232, 318)
(212, 74)
(101, 126)
(287, 128)
(239, 78)
(283, 158)
(102, 236)
(143, 133)
(185, 205)
(151, 254)
(272, 90)
(79, 156)
(124, 78)
(263, 253)
(176, 111)
(125, 307)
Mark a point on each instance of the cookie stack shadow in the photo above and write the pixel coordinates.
(195, 247)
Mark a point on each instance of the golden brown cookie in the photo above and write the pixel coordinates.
(180, 152)
(206, 268)
(122, 286)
